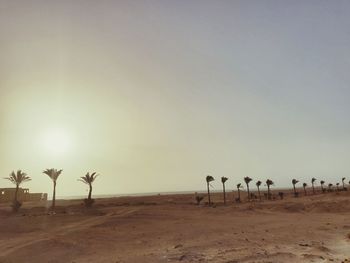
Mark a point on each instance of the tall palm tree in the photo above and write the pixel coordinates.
(294, 182)
(337, 184)
(223, 181)
(322, 183)
(247, 180)
(17, 178)
(313, 182)
(239, 186)
(304, 186)
(258, 183)
(269, 183)
(342, 180)
(209, 179)
(89, 179)
(53, 174)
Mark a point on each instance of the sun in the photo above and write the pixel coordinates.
(57, 141)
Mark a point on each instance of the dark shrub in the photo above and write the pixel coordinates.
(199, 198)
(281, 194)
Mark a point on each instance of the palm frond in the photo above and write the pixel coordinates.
(88, 178)
(224, 179)
(247, 179)
(18, 178)
(209, 178)
(53, 173)
(269, 182)
(295, 181)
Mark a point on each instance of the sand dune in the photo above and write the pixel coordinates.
(171, 228)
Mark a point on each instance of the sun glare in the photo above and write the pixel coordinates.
(57, 141)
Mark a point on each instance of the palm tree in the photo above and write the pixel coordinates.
(304, 186)
(337, 184)
(17, 178)
(342, 180)
(312, 182)
(53, 174)
(209, 179)
(239, 186)
(247, 180)
(269, 183)
(258, 183)
(322, 183)
(223, 181)
(294, 182)
(89, 179)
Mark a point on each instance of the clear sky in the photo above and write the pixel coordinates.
(155, 95)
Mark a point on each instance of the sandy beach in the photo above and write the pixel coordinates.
(172, 228)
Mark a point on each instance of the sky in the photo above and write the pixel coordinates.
(155, 95)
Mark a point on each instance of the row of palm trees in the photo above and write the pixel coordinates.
(322, 183)
(247, 180)
(19, 177)
(269, 183)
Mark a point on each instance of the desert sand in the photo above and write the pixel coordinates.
(171, 228)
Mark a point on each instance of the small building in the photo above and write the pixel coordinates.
(8, 194)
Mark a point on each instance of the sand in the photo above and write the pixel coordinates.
(171, 228)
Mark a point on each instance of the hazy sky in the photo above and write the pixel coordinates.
(155, 95)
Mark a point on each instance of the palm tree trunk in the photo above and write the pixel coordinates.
(90, 190)
(208, 193)
(304, 190)
(248, 191)
(259, 193)
(295, 192)
(16, 193)
(313, 188)
(223, 187)
(54, 195)
(268, 192)
(239, 195)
